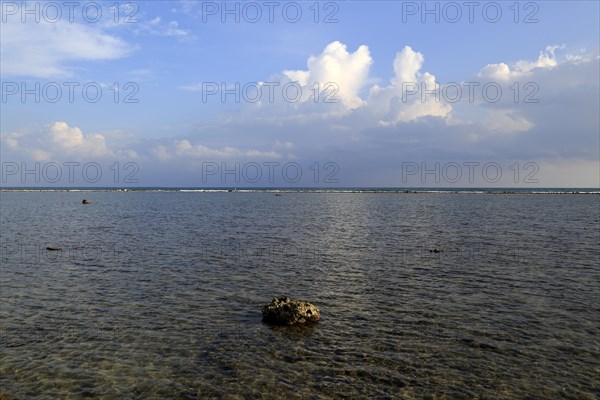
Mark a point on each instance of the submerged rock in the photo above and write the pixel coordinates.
(287, 311)
(86, 201)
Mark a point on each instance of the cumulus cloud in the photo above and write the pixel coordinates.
(407, 66)
(376, 126)
(348, 71)
(330, 87)
(58, 140)
(335, 85)
(501, 71)
(74, 142)
(399, 101)
(391, 123)
(411, 95)
(403, 100)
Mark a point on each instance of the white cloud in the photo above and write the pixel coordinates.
(66, 137)
(407, 66)
(502, 72)
(58, 140)
(73, 142)
(342, 78)
(329, 87)
(375, 126)
(11, 139)
(411, 94)
(46, 50)
(156, 27)
(398, 102)
(179, 149)
(349, 71)
(506, 121)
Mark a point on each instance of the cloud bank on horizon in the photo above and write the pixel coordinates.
(534, 115)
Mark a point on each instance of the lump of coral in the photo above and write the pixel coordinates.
(287, 311)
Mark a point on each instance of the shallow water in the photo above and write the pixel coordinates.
(158, 295)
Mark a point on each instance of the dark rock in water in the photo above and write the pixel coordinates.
(86, 201)
(287, 311)
(50, 248)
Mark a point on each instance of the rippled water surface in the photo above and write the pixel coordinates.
(158, 295)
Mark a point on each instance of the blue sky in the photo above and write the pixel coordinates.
(378, 56)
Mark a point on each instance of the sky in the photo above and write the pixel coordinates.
(296, 94)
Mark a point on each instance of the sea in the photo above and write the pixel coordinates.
(156, 293)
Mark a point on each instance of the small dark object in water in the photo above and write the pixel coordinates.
(287, 311)
(86, 201)
(277, 194)
(436, 250)
(50, 248)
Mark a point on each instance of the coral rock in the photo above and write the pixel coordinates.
(287, 311)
